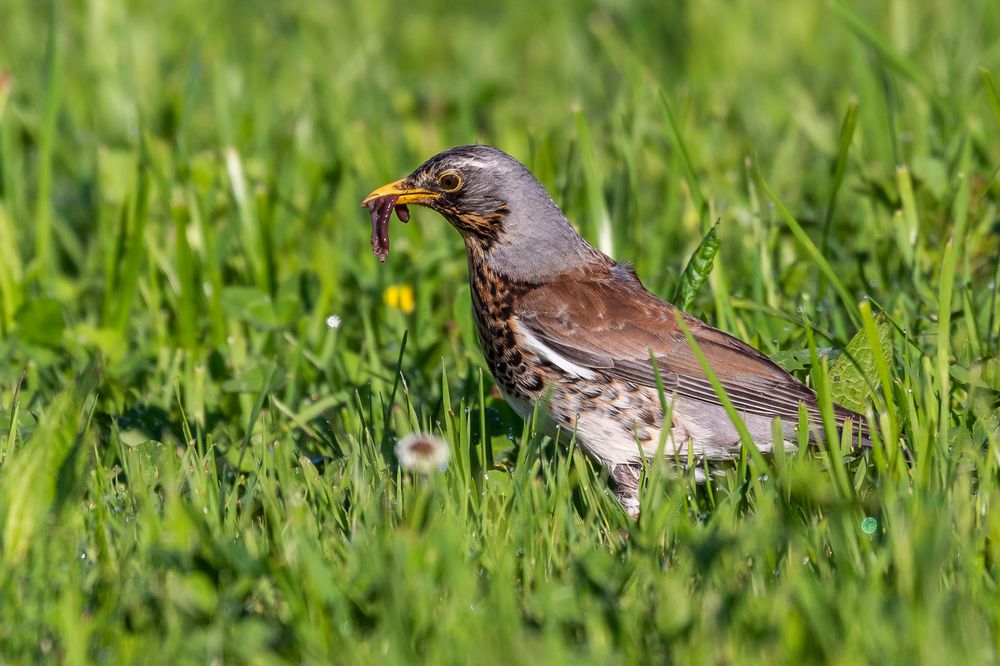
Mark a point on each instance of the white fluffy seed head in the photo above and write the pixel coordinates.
(423, 453)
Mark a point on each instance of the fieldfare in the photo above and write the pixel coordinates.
(565, 326)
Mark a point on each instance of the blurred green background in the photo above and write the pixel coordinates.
(195, 466)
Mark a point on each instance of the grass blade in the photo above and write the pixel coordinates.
(991, 92)
(847, 128)
(689, 172)
(949, 263)
(811, 250)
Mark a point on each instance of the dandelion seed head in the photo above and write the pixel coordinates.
(423, 453)
(333, 322)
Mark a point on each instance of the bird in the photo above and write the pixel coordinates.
(568, 329)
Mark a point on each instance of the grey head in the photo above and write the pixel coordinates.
(498, 206)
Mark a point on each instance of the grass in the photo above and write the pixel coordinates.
(194, 467)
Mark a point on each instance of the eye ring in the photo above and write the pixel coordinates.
(450, 181)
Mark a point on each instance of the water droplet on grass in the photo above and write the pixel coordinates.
(869, 525)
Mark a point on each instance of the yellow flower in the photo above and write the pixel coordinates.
(399, 296)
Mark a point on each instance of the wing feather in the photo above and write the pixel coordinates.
(612, 327)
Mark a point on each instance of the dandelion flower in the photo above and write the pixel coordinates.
(423, 453)
(399, 297)
(333, 322)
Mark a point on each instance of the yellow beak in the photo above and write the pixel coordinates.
(404, 193)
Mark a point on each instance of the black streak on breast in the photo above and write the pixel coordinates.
(493, 300)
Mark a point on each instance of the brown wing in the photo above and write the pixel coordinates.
(613, 326)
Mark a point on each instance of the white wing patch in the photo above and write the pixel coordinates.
(547, 354)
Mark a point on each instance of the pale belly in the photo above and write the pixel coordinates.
(623, 425)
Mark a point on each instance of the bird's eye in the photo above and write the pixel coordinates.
(449, 181)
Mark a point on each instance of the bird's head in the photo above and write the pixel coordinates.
(491, 198)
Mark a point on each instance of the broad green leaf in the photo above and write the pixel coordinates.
(792, 360)
(855, 372)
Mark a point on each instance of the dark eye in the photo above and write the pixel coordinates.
(449, 181)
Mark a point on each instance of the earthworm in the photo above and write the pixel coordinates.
(381, 210)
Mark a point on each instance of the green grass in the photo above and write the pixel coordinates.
(195, 468)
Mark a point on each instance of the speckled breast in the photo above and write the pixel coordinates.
(493, 300)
